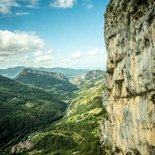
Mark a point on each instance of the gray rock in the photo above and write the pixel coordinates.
(130, 42)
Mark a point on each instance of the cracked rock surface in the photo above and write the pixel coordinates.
(130, 100)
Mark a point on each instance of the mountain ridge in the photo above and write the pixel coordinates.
(56, 83)
(69, 72)
(56, 75)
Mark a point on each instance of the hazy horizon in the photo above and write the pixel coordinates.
(54, 67)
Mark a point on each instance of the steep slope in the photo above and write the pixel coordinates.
(24, 109)
(94, 74)
(78, 132)
(76, 80)
(54, 82)
(130, 41)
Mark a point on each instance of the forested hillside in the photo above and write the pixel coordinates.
(78, 131)
(24, 109)
(53, 82)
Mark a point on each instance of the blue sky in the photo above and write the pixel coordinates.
(50, 33)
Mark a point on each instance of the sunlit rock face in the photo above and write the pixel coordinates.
(130, 102)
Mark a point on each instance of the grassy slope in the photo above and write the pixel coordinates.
(25, 109)
(78, 132)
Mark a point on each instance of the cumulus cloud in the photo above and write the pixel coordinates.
(94, 52)
(70, 3)
(94, 61)
(76, 55)
(12, 43)
(93, 58)
(28, 49)
(40, 56)
(48, 59)
(6, 5)
(33, 4)
(22, 13)
(62, 3)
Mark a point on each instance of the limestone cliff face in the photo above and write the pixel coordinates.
(130, 101)
(55, 75)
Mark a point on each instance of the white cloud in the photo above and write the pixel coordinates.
(40, 56)
(94, 52)
(93, 58)
(22, 13)
(6, 5)
(70, 3)
(44, 59)
(12, 43)
(28, 49)
(76, 55)
(33, 4)
(88, 4)
(62, 3)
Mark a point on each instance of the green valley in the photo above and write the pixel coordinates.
(24, 109)
(40, 118)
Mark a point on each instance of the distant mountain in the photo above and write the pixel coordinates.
(54, 82)
(77, 79)
(13, 72)
(24, 109)
(94, 74)
(55, 75)
(69, 72)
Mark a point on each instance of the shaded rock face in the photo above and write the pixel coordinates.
(130, 101)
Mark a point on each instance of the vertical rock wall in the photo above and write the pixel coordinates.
(130, 41)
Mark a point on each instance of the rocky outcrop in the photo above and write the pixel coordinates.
(55, 75)
(94, 74)
(130, 101)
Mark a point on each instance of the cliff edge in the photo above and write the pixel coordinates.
(130, 101)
